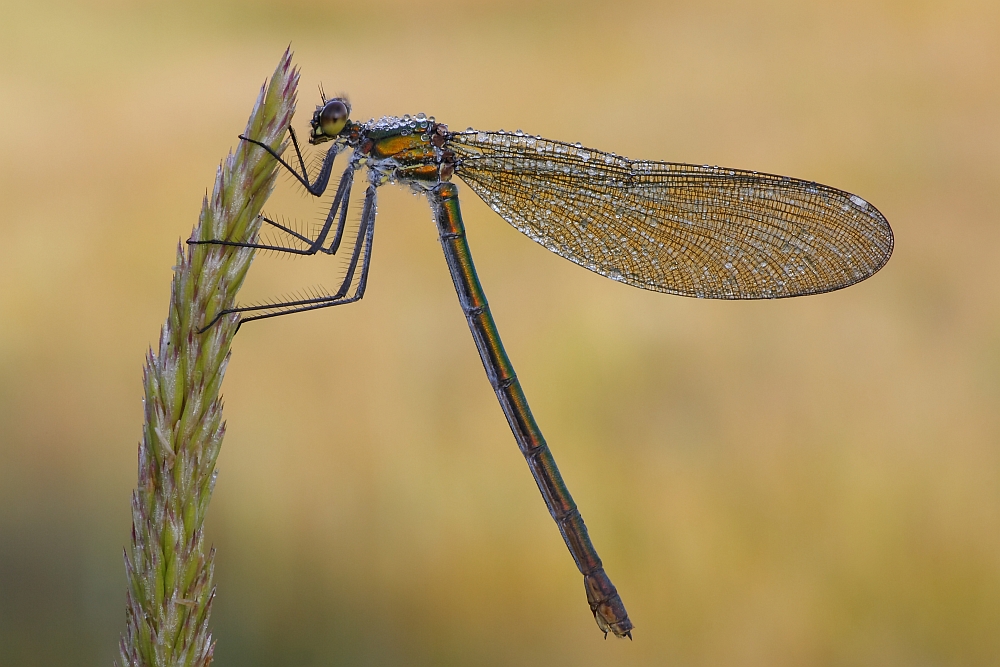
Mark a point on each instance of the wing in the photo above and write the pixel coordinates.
(684, 229)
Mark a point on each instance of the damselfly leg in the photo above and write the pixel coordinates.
(312, 246)
(339, 205)
(361, 253)
(326, 167)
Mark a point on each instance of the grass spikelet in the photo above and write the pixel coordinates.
(170, 589)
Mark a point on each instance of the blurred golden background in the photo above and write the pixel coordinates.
(812, 481)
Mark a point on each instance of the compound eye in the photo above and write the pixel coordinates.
(333, 118)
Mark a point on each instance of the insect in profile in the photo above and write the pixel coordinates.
(698, 231)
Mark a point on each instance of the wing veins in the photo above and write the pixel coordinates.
(721, 226)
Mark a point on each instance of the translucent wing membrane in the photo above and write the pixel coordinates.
(684, 229)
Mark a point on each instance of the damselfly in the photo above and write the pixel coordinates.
(698, 231)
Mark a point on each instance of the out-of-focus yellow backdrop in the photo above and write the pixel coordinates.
(813, 481)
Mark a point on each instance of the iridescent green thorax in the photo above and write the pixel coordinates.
(404, 149)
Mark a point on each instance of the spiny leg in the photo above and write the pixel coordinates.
(340, 202)
(346, 181)
(363, 241)
(322, 179)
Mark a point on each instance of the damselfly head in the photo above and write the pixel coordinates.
(330, 118)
